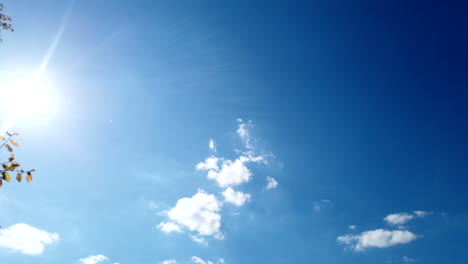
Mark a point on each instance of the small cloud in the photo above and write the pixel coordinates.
(398, 219)
(271, 183)
(169, 261)
(319, 205)
(379, 238)
(236, 198)
(352, 227)
(93, 259)
(26, 239)
(408, 259)
(199, 240)
(212, 145)
(169, 227)
(199, 260)
(422, 214)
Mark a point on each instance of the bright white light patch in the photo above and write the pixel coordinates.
(25, 97)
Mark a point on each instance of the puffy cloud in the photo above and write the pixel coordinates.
(198, 213)
(200, 261)
(169, 227)
(319, 205)
(236, 198)
(398, 219)
(212, 145)
(93, 259)
(408, 259)
(199, 240)
(231, 173)
(26, 239)
(379, 238)
(169, 261)
(271, 183)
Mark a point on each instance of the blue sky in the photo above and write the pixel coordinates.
(236, 132)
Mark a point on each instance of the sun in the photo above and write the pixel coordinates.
(28, 97)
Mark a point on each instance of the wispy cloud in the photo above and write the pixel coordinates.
(199, 240)
(271, 183)
(352, 227)
(26, 239)
(243, 132)
(319, 205)
(408, 259)
(379, 238)
(200, 261)
(169, 261)
(236, 198)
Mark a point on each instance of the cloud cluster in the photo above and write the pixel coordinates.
(26, 239)
(383, 238)
(201, 212)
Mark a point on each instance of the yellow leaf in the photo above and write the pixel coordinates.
(29, 178)
(1, 183)
(6, 176)
(9, 148)
(11, 158)
(14, 165)
(19, 177)
(2, 138)
(14, 143)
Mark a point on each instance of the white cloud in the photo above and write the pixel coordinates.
(319, 205)
(421, 213)
(408, 259)
(210, 163)
(352, 227)
(169, 227)
(26, 239)
(244, 133)
(231, 173)
(169, 261)
(236, 198)
(199, 240)
(200, 261)
(93, 259)
(379, 238)
(272, 183)
(398, 219)
(198, 213)
(212, 145)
